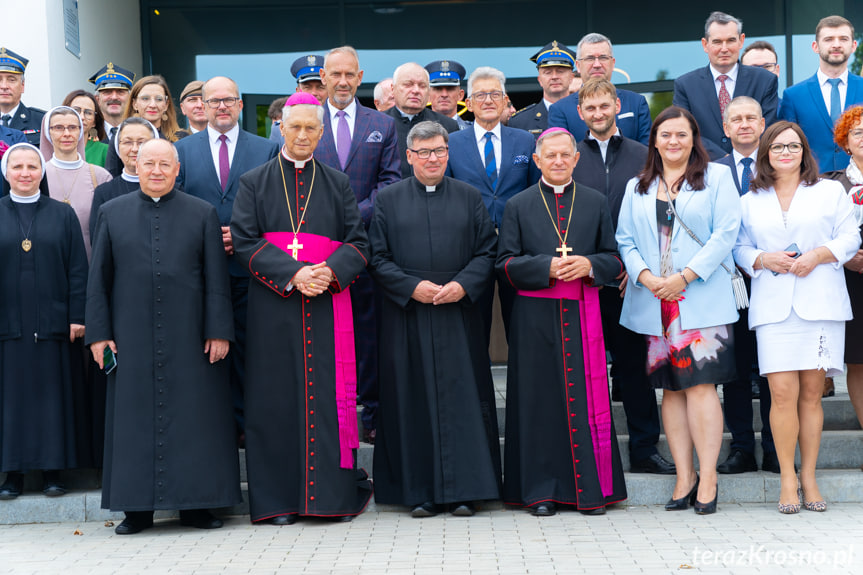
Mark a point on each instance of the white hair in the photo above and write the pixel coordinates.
(319, 110)
(486, 73)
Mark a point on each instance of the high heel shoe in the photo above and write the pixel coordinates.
(684, 502)
(707, 508)
(819, 506)
(791, 508)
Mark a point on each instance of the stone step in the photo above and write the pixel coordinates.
(837, 486)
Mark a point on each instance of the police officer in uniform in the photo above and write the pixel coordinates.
(445, 91)
(13, 113)
(113, 87)
(554, 63)
(307, 71)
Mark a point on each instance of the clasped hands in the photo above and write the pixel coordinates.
(668, 289)
(569, 268)
(430, 292)
(313, 280)
(783, 262)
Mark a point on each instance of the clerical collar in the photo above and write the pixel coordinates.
(24, 199)
(129, 177)
(64, 165)
(298, 164)
(410, 117)
(431, 189)
(557, 189)
(155, 199)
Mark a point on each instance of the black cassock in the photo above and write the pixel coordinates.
(549, 454)
(292, 428)
(158, 287)
(437, 428)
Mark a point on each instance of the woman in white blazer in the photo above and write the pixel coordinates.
(797, 231)
(678, 294)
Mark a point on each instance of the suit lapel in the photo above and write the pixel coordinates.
(709, 93)
(237, 163)
(505, 156)
(818, 100)
(326, 149)
(361, 127)
(476, 159)
(648, 207)
(206, 159)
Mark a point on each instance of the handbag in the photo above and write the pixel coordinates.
(741, 297)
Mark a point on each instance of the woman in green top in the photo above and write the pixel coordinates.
(94, 125)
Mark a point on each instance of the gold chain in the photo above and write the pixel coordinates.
(308, 197)
(547, 209)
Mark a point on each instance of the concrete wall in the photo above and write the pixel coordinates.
(110, 30)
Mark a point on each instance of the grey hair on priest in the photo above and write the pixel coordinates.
(319, 110)
(426, 131)
(486, 73)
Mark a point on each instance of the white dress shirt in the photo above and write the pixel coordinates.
(216, 145)
(350, 117)
(12, 112)
(603, 144)
(730, 82)
(826, 88)
(479, 133)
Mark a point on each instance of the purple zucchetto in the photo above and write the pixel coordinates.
(298, 98)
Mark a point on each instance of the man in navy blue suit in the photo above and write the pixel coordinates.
(817, 102)
(495, 159)
(362, 143)
(707, 91)
(211, 163)
(596, 60)
(744, 125)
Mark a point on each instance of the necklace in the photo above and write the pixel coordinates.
(67, 191)
(295, 246)
(563, 250)
(668, 211)
(26, 245)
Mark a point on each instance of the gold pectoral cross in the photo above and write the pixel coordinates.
(295, 247)
(563, 250)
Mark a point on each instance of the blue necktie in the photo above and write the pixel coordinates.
(490, 163)
(746, 178)
(835, 102)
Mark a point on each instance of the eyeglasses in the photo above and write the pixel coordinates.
(156, 99)
(58, 129)
(131, 143)
(591, 59)
(496, 96)
(768, 67)
(85, 113)
(216, 102)
(425, 153)
(793, 147)
(858, 133)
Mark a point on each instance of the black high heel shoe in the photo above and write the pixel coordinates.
(684, 502)
(707, 508)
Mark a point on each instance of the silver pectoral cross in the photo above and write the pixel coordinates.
(295, 247)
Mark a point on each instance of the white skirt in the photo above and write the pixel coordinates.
(796, 344)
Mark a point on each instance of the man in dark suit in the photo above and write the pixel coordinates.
(596, 60)
(362, 143)
(13, 113)
(211, 163)
(707, 91)
(496, 160)
(411, 91)
(817, 102)
(744, 125)
(554, 63)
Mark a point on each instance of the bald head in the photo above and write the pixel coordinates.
(158, 166)
(411, 88)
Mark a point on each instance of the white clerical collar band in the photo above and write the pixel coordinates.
(298, 164)
(129, 177)
(431, 188)
(66, 165)
(24, 199)
(557, 189)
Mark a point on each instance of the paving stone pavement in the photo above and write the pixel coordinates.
(740, 538)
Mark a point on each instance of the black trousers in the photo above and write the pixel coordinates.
(237, 357)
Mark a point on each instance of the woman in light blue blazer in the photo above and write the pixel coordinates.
(679, 296)
(797, 231)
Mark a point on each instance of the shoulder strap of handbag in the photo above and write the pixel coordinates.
(694, 237)
(93, 176)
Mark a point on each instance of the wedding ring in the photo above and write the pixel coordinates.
(311, 285)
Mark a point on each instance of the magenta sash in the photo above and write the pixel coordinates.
(595, 370)
(315, 250)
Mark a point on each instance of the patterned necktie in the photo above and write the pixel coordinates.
(835, 101)
(490, 163)
(343, 138)
(224, 164)
(746, 177)
(6, 119)
(724, 96)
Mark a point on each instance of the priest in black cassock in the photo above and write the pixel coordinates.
(556, 247)
(433, 250)
(158, 297)
(297, 227)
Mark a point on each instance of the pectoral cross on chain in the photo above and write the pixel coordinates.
(563, 250)
(295, 247)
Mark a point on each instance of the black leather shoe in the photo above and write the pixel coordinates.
(543, 509)
(427, 509)
(684, 502)
(770, 462)
(738, 462)
(369, 435)
(51, 485)
(463, 509)
(12, 487)
(281, 520)
(707, 508)
(653, 464)
(597, 511)
(342, 518)
(135, 522)
(199, 519)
